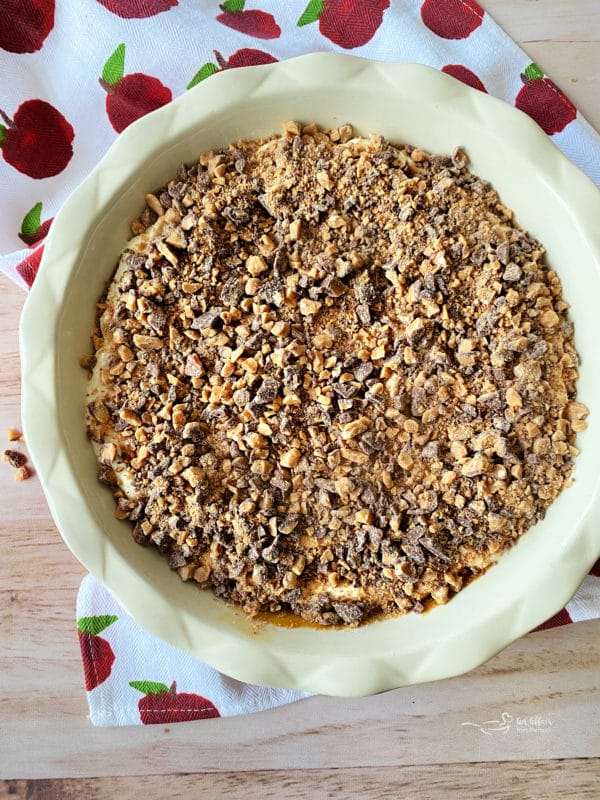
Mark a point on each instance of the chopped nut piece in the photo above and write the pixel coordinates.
(202, 574)
(448, 478)
(322, 341)
(261, 467)
(295, 228)
(405, 460)
(459, 158)
(473, 466)
(252, 287)
(549, 319)
(154, 203)
(280, 329)
(336, 221)
(177, 238)
(125, 353)
(513, 398)
(147, 342)
(308, 307)
(324, 180)
(164, 250)
(458, 450)
(193, 475)
(256, 265)
(354, 428)
(576, 411)
(290, 580)
(364, 516)
(299, 565)
(290, 458)
(107, 454)
(99, 411)
(130, 416)
(415, 330)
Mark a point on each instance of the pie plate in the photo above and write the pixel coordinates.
(552, 199)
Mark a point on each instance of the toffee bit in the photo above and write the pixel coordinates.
(363, 314)
(210, 319)
(350, 613)
(334, 286)
(22, 473)
(268, 391)
(14, 458)
(232, 291)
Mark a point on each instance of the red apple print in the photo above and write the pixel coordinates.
(544, 102)
(161, 704)
(465, 75)
(38, 140)
(561, 618)
(25, 25)
(96, 652)
(246, 57)
(129, 97)
(28, 268)
(255, 23)
(452, 19)
(137, 9)
(33, 230)
(347, 23)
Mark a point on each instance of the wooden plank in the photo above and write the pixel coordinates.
(546, 20)
(530, 780)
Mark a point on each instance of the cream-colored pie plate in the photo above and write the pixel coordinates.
(553, 200)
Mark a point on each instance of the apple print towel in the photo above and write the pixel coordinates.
(132, 678)
(65, 96)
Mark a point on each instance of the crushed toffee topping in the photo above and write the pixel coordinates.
(332, 376)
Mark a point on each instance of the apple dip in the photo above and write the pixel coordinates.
(332, 377)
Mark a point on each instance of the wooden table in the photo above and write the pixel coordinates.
(410, 742)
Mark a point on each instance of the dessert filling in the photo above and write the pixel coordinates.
(332, 376)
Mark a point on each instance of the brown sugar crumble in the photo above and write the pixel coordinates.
(332, 376)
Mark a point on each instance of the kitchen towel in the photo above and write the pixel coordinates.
(133, 678)
(64, 97)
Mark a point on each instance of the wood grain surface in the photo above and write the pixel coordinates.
(484, 781)
(412, 741)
